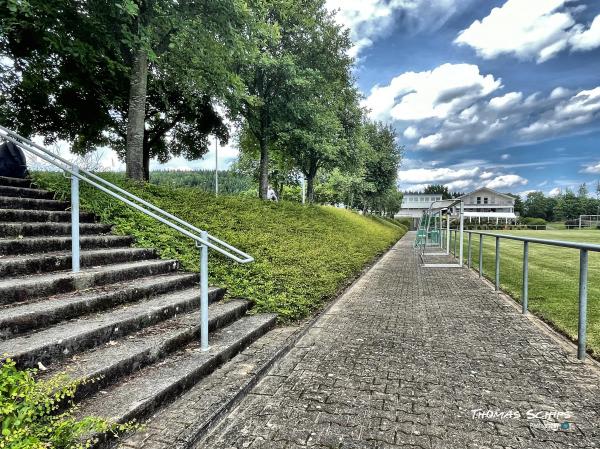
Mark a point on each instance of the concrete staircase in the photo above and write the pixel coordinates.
(128, 318)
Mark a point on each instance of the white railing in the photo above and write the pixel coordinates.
(202, 238)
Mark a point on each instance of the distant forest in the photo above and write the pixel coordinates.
(230, 183)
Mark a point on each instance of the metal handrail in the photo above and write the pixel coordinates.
(23, 143)
(584, 249)
(202, 238)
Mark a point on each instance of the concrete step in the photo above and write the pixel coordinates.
(41, 229)
(49, 346)
(57, 261)
(45, 216)
(108, 363)
(34, 245)
(14, 182)
(146, 390)
(18, 319)
(10, 202)
(197, 411)
(24, 192)
(28, 288)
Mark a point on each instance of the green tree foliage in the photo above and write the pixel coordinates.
(519, 204)
(535, 205)
(268, 73)
(439, 189)
(381, 163)
(139, 75)
(565, 206)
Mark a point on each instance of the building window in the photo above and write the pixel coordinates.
(478, 200)
(485, 201)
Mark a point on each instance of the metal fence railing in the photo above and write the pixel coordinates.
(583, 248)
(202, 238)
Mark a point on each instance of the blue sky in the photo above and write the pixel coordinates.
(498, 93)
(501, 93)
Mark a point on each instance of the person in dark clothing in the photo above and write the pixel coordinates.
(12, 161)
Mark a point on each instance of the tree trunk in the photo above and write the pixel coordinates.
(263, 183)
(310, 188)
(310, 181)
(136, 118)
(146, 160)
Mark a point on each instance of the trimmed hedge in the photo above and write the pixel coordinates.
(304, 254)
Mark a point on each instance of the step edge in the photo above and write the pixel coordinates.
(90, 338)
(151, 355)
(184, 383)
(68, 308)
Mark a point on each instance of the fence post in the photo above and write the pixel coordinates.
(75, 254)
(497, 263)
(525, 294)
(454, 246)
(469, 251)
(204, 292)
(582, 331)
(461, 236)
(480, 255)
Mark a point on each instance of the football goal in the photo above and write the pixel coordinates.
(589, 221)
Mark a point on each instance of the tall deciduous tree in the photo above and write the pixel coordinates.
(142, 75)
(321, 128)
(270, 71)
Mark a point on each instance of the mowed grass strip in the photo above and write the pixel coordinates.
(304, 254)
(553, 277)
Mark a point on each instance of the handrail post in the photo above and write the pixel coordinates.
(448, 233)
(469, 255)
(204, 293)
(583, 276)
(497, 263)
(525, 295)
(480, 255)
(75, 253)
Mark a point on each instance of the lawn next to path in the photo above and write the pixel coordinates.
(303, 254)
(553, 277)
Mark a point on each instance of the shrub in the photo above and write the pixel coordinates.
(532, 221)
(405, 221)
(38, 414)
(303, 254)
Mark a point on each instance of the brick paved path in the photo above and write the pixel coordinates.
(402, 360)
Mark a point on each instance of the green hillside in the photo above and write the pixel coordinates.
(304, 254)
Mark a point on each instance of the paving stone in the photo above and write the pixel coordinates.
(403, 359)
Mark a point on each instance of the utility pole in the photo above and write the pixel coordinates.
(303, 190)
(216, 167)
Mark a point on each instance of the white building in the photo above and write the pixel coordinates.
(488, 206)
(414, 204)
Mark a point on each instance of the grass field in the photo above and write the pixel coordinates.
(553, 277)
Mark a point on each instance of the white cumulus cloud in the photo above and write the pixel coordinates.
(531, 29)
(592, 168)
(505, 181)
(455, 105)
(554, 192)
(437, 93)
(370, 20)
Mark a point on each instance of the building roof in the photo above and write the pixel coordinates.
(489, 190)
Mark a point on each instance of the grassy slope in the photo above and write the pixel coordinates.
(304, 255)
(553, 278)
